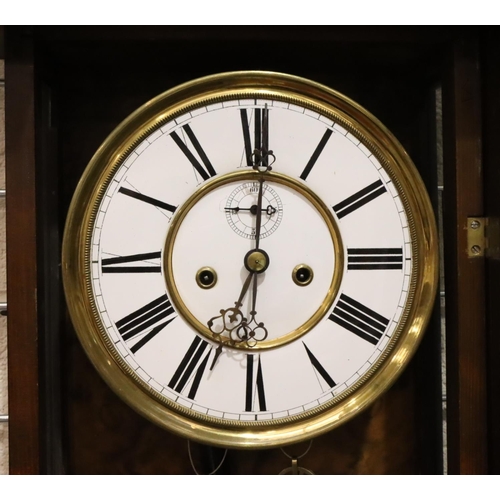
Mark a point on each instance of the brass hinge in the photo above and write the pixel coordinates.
(483, 237)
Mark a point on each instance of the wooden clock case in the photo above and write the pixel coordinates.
(68, 87)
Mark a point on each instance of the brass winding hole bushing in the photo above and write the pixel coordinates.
(206, 277)
(302, 275)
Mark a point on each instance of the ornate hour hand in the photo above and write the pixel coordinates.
(232, 319)
(257, 331)
(235, 328)
(256, 261)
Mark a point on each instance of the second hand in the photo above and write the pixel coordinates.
(270, 210)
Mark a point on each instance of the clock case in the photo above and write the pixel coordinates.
(68, 87)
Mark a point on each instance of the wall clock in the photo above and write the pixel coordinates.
(250, 259)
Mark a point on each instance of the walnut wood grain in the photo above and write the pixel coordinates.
(465, 277)
(491, 162)
(24, 430)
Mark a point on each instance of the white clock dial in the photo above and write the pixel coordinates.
(252, 260)
(131, 283)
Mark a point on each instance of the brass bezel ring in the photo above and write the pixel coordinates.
(76, 261)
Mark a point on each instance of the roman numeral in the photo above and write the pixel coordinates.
(189, 367)
(374, 258)
(359, 319)
(206, 170)
(359, 199)
(319, 368)
(315, 155)
(137, 323)
(147, 199)
(258, 129)
(245, 125)
(254, 388)
(261, 136)
(112, 264)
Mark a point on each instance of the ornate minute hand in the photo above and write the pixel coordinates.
(256, 261)
(262, 165)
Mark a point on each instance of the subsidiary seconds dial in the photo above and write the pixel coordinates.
(241, 210)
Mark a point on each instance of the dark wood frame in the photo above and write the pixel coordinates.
(465, 277)
(22, 279)
(471, 107)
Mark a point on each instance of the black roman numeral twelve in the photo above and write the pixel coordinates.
(359, 319)
(245, 125)
(261, 134)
